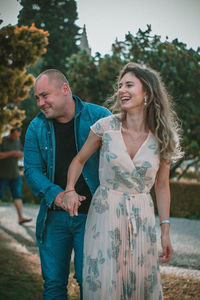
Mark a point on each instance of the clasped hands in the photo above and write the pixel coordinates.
(69, 201)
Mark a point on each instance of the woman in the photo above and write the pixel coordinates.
(137, 147)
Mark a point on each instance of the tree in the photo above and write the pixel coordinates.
(19, 47)
(82, 73)
(108, 69)
(93, 78)
(58, 18)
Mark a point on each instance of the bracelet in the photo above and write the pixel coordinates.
(164, 222)
(65, 192)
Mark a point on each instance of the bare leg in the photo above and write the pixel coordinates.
(19, 207)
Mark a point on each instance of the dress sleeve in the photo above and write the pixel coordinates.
(99, 127)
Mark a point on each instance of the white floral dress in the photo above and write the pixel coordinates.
(120, 250)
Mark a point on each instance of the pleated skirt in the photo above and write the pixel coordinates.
(120, 248)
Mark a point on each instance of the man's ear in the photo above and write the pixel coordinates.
(65, 88)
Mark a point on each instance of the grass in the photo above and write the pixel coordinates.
(20, 276)
(17, 281)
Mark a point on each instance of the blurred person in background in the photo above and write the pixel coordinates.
(11, 151)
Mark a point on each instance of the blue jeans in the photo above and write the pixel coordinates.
(15, 186)
(63, 233)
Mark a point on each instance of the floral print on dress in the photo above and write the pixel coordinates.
(105, 148)
(93, 271)
(113, 252)
(139, 176)
(154, 147)
(100, 204)
(120, 177)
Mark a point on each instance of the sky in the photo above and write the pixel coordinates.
(107, 20)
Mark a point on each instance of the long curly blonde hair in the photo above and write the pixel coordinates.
(160, 116)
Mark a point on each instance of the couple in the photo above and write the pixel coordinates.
(136, 146)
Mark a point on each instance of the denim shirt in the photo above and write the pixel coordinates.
(39, 156)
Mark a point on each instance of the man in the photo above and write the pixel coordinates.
(52, 140)
(10, 153)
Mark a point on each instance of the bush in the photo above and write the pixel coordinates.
(185, 199)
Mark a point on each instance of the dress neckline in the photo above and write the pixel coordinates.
(139, 149)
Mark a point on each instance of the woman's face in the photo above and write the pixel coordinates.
(130, 92)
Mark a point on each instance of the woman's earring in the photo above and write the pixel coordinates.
(145, 101)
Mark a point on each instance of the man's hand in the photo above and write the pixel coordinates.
(59, 200)
(71, 202)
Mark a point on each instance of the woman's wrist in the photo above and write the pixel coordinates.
(167, 221)
(69, 190)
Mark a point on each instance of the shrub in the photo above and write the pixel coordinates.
(185, 199)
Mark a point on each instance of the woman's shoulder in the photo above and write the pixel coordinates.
(106, 124)
(111, 122)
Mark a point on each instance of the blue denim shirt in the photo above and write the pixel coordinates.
(39, 156)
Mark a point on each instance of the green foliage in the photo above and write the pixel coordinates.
(92, 78)
(19, 47)
(108, 70)
(82, 73)
(184, 199)
(58, 18)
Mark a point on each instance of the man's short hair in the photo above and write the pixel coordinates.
(54, 75)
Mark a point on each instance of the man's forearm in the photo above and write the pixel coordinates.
(5, 154)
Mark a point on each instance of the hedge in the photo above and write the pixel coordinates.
(185, 198)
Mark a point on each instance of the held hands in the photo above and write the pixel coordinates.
(72, 201)
(69, 201)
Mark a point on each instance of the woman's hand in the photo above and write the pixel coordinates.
(72, 201)
(167, 249)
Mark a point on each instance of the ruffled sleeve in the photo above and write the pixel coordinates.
(98, 127)
(103, 125)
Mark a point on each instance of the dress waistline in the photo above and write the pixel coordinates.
(124, 193)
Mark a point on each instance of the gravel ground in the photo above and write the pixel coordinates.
(185, 236)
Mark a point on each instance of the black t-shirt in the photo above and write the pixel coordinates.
(65, 152)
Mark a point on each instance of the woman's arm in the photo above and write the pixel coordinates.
(162, 191)
(71, 199)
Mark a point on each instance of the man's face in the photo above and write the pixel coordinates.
(51, 99)
(15, 135)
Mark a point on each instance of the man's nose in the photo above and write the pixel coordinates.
(40, 102)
